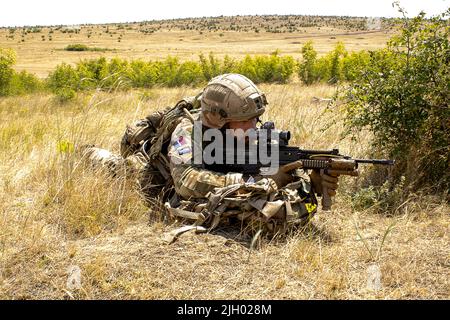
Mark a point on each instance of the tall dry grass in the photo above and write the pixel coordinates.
(56, 213)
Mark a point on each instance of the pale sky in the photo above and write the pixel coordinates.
(53, 12)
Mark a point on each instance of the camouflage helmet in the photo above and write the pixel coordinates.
(231, 97)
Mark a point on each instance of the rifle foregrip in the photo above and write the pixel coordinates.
(326, 200)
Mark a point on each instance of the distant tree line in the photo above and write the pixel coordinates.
(253, 23)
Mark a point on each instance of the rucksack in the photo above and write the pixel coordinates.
(149, 138)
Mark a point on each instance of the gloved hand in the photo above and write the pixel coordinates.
(319, 181)
(284, 173)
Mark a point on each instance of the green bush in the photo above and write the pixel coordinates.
(118, 73)
(13, 83)
(330, 68)
(354, 64)
(76, 47)
(210, 67)
(83, 47)
(92, 72)
(166, 71)
(272, 68)
(7, 60)
(228, 65)
(64, 76)
(247, 68)
(403, 98)
(24, 82)
(188, 73)
(383, 198)
(141, 74)
(364, 198)
(65, 94)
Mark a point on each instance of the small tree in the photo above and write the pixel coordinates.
(335, 59)
(307, 68)
(24, 82)
(210, 66)
(403, 98)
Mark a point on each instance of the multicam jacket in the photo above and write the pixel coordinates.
(206, 197)
(211, 197)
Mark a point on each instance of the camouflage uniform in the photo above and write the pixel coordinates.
(202, 196)
(192, 181)
(210, 197)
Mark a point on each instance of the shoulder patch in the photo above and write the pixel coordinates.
(180, 150)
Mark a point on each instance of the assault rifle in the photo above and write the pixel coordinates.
(329, 162)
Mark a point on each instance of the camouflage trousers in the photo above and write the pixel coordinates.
(148, 179)
(254, 206)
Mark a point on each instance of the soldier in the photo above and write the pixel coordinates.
(160, 149)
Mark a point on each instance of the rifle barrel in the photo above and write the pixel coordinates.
(334, 152)
(385, 162)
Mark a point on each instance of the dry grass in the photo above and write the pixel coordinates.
(56, 213)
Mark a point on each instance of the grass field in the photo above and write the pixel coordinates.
(57, 215)
(41, 56)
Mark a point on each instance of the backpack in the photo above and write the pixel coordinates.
(149, 139)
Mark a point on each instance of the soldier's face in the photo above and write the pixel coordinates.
(240, 127)
(244, 125)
